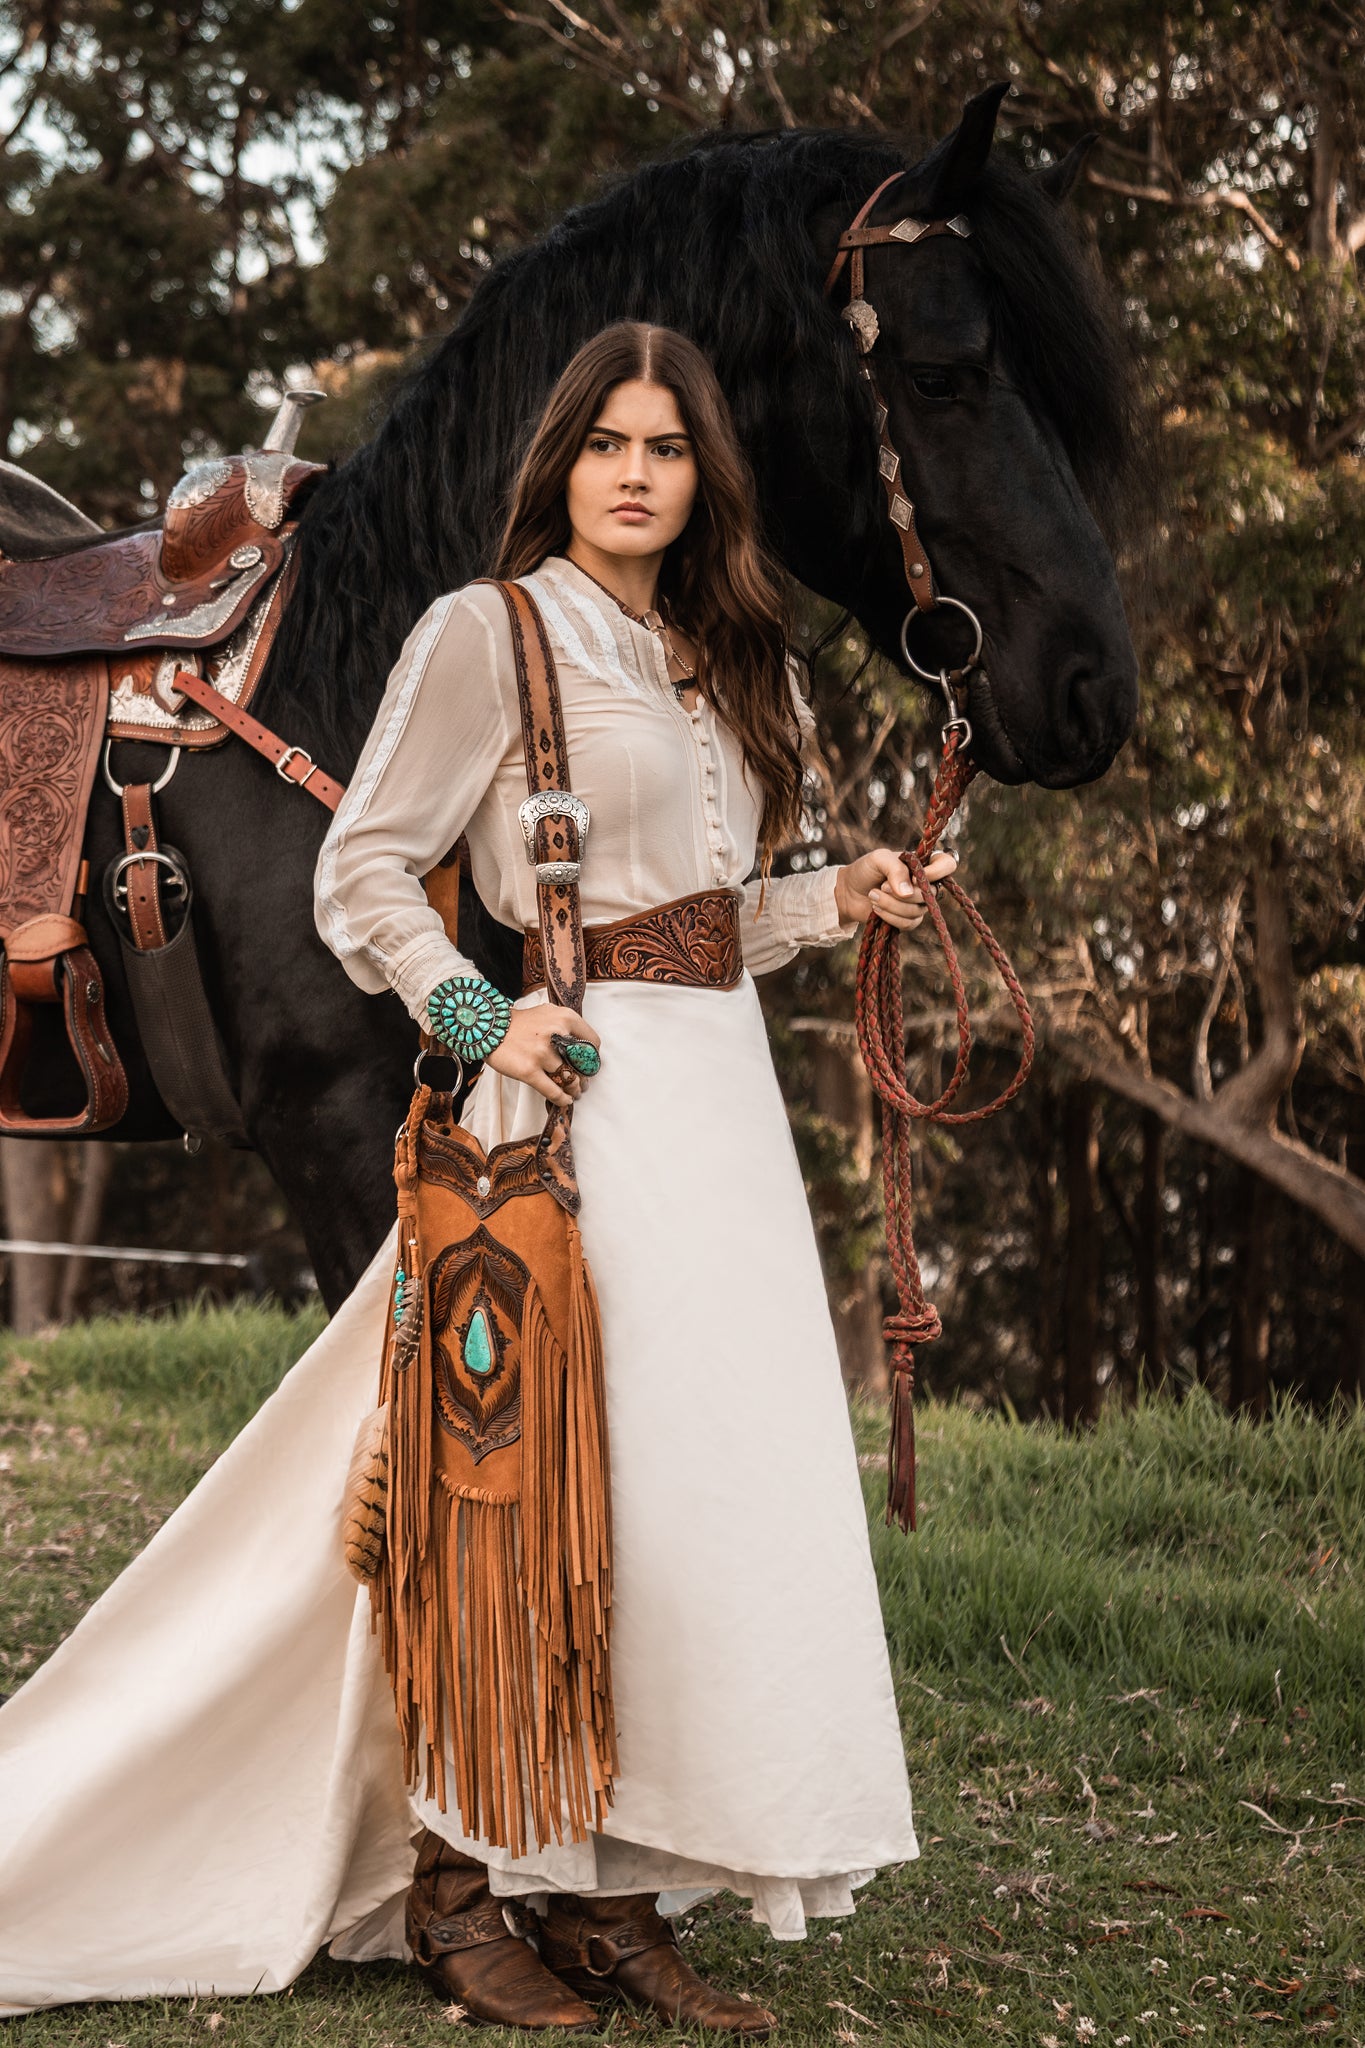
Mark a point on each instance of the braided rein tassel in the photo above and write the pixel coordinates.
(879, 1017)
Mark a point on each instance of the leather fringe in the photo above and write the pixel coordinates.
(900, 1476)
(493, 1611)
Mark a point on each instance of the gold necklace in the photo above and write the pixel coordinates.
(653, 622)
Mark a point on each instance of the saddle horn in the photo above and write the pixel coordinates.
(284, 428)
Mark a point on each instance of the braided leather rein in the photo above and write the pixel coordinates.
(879, 1014)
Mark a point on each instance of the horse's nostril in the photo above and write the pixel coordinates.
(1098, 708)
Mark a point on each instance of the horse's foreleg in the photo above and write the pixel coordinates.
(330, 1150)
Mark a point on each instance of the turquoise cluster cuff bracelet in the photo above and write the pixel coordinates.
(469, 1016)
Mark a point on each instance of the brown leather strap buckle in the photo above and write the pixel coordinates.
(628, 1938)
(553, 820)
(470, 1929)
(284, 767)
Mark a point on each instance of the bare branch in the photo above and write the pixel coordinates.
(1227, 933)
(1316, 1183)
(1083, 97)
(1212, 201)
(841, 97)
(610, 59)
(1254, 1094)
(765, 65)
(1349, 430)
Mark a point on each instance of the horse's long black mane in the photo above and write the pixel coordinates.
(714, 241)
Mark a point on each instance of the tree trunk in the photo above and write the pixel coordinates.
(1323, 238)
(1151, 1333)
(1351, 1356)
(842, 1094)
(33, 1175)
(1202, 1277)
(1318, 1183)
(1043, 1186)
(1080, 1307)
(95, 1164)
(1249, 1359)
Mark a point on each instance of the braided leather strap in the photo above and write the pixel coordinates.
(880, 1020)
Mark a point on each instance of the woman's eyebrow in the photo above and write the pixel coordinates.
(619, 434)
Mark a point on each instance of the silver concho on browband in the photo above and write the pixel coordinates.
(553, 803)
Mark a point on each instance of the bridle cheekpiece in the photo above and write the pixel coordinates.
(861, 316)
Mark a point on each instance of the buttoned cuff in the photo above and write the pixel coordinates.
(804, 908)
(422, 965)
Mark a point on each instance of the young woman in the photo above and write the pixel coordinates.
(204, 1784)
(759, 1744)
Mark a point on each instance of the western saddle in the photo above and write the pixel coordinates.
(159, 633)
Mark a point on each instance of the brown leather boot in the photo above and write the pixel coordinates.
(625, 1945)
(462, 1946)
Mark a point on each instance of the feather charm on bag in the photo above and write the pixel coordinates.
(367, 1497)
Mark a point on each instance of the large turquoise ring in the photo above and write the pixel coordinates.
(469, 1016)
(585, 1059)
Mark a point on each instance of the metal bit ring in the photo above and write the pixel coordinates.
(929, 675)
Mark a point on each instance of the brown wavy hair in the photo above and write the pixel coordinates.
(715, 583)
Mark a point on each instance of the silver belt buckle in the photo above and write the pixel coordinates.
(553, 803)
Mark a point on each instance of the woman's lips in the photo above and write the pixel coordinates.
(636, 514)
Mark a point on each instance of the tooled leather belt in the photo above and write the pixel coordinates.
(693, 941)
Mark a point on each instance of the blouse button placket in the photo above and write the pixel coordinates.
(715, 840)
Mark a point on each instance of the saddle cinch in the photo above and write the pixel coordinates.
(157, 634)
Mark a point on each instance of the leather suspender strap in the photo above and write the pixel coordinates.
(142, 870)
(556, 841)
(291, 764)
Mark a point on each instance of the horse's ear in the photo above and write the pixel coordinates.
(953, 168)
(1056, 180)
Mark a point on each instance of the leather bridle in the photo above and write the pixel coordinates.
(862, 318)
(878, 1001)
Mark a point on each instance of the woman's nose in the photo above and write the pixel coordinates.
(632, 473)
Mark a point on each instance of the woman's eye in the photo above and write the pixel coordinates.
(667, 448)
(935, 385)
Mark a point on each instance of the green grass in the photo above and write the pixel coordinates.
(1131, 1676)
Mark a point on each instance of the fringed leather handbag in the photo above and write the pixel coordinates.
(480, 1506)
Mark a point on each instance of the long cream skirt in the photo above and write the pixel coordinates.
(203, 1785)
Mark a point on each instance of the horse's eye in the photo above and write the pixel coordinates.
(935, 385)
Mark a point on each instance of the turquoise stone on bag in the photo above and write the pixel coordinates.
(478, 1352)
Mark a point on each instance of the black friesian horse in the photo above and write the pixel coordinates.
(1007, 379)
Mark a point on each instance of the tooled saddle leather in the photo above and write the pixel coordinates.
(91, 639)
(188, 583)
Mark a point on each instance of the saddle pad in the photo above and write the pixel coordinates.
(51, 725)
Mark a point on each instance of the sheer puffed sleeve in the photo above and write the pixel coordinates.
(433, 750)
(798, 910)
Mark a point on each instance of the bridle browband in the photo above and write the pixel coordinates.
(878, 1002)
(862, 318)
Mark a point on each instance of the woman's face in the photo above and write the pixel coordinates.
(633, 486)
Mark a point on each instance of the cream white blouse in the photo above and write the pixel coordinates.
(671, 808)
